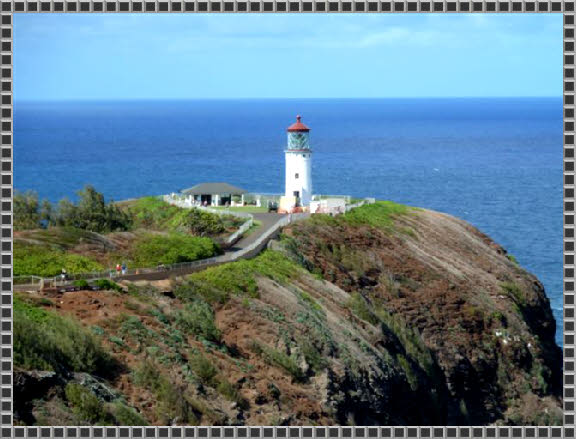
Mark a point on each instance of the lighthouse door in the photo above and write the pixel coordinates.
(297, 195)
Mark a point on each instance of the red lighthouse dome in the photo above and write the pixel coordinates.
(298, 126)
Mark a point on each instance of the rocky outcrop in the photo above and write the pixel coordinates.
(484, 321)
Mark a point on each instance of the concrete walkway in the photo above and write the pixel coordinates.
(268, 221)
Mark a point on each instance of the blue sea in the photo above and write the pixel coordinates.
(496, 163)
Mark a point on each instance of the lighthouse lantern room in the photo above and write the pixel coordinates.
(298, 169)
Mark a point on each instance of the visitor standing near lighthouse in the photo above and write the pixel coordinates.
(298, 155)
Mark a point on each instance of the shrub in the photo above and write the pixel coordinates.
(154, 213)
(202, 223)
(125, 415)
(172, 402)
(512, 258)
(85, 404)
(279, 359)
(514, 291)
(106, 284)
(147, 375)
(358, 305)
(203, 368)
(151, 250)
(197, 318)
(82, 283)
(47, 341)
(32, 259)
(230, 392)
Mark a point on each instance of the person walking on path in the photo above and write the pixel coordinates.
(123, 268)
(118, 269)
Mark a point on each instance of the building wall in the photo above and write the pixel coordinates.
(299, 163)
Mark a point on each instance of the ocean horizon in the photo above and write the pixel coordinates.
(495, 162)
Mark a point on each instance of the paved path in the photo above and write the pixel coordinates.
(268, 221)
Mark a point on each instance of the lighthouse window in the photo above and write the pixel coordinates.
(296, 176)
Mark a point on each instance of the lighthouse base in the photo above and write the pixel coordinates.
(291, 205)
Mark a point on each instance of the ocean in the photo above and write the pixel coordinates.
(496, 162)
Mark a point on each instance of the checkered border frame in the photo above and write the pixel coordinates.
(405, 6)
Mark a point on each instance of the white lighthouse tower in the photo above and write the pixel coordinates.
(298, 169)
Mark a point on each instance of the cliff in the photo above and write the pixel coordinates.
(386, 315)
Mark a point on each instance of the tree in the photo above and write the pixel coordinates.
(26, 214)
(92, 213)
(46, 213)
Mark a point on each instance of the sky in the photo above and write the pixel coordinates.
(220, 56)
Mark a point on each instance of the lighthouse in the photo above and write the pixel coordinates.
(298, 169)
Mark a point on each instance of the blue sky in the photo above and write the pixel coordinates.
(197, 56)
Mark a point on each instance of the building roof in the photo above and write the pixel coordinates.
(298, 126)
(213, 188)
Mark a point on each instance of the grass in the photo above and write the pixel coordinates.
(151, 249)
(218, 284)
(380, 214)
(38, 260)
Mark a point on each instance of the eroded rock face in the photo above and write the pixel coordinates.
(485, 322)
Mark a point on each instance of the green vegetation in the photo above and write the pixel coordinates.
(154, 213)
(151, 250)
(106, 284)
(31, 259)
(380, 214)
(125, 415)
(44, 340)
(172, 401)
(358, 305)
(27, 212)
(86, 405)
(197, 318)
(218, 284)
(279, 359)
(512, 258)
(514, 291)
(41, 250)
(203, 368)
(91, 212)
